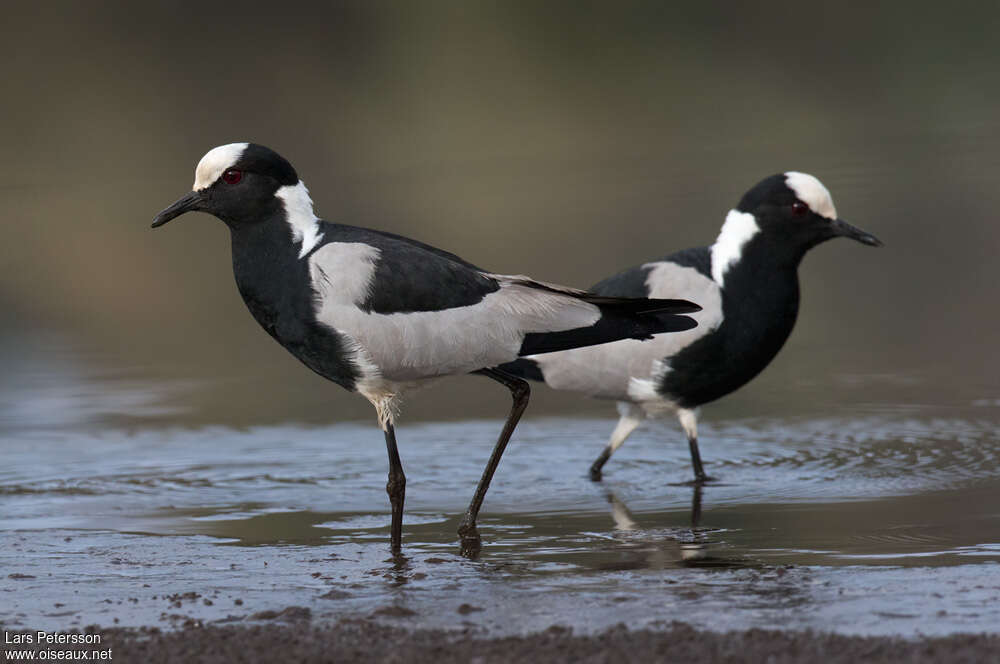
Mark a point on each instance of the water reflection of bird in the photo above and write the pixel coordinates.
(747, 284)
(620, 513)
(378, 313)
(693, 544)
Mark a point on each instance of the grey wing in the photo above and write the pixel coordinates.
(411, 313)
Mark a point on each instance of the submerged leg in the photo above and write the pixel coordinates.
(696, 549)
(395, 487)
(631, 417)
(689, 421)
(520, 392)
(696, 507)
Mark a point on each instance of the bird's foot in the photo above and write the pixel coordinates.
(396, 557)
(469, 540)
(595, 468)
(700, 480)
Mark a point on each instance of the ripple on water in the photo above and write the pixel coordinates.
(878, 490)
(342, 467)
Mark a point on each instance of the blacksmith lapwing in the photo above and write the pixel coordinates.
(378, 313)
(747, 284)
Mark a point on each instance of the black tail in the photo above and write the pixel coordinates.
(627, 305)
(621, 318)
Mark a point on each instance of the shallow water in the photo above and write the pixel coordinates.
(874, 520)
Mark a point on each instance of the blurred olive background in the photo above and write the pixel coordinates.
(561, 140)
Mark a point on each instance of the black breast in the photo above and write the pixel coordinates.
(760, 302)
(277, 289)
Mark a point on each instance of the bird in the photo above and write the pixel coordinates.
(747, 284)
(381, 314)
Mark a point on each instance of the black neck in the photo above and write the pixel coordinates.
(269, 274)
(276, 286)
(760, 302)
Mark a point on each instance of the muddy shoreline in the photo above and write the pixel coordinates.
(369, 640)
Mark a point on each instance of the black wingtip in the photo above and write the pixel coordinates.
(641, 305)
(671, 307)
(614, 325)
(674, 323)
(658, 323)
(621, 318)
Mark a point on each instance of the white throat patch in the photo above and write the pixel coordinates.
(728, 247)
(215, 162)
(811, 191)
(300, 216)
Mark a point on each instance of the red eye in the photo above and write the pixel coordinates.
(232, 176)
(799, 209)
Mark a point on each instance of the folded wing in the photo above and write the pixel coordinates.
(415, 312)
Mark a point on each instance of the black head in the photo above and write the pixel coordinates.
(796, 210)
(237, 183)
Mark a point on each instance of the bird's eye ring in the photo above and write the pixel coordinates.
(232, 176)
(799, 209)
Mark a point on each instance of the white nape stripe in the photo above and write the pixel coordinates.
(300, 216)
(811, 191)
(215, 161)
(736, 232)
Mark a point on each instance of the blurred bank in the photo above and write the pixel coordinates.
(552, 139)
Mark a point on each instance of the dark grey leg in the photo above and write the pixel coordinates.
(595, 468)
(471, 543)
(689, 422)
(699, 471)
(695, 550)
(696, 507)
(396, 488)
